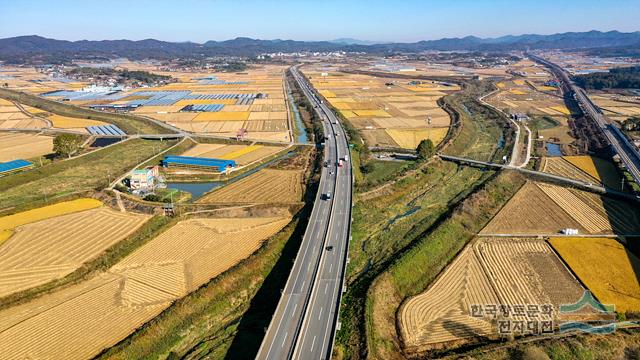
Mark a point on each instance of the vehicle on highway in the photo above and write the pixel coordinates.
(327, 196)
(329, 248)
(346, 157)
(340, 163)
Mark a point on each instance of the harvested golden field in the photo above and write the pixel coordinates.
(531, 211)
(598, 215)
(544, 209)
(222, 116)
(65, 122)
(70, 323)
(242, 154)
(24, 146)
(602, 170)
(389, 113)
(606, 267)
(410, 138)
(489, 271)
(561, 166)
(264, 186)
(562, 109)
(46, 212)
(41, 251)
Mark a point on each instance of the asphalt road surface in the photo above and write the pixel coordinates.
(304, 323)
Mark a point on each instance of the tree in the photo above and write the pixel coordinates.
(67, 144)
(425, 149)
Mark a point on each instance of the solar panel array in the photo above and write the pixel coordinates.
(13, 165)
(159, 98)
(203, 108)
(110, 130)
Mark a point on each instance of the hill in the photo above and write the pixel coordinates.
(35, 48)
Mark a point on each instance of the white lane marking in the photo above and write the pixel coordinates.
(312, 343)
(330, 267)
(309, 267)
(326, 287)
(294, 309)
(303, 283)
(285, 339)
(319, 315)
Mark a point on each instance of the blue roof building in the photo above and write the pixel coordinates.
(198, 162)
(14, 165)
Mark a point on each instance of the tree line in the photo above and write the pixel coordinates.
(620, 78)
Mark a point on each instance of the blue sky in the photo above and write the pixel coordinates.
(201, 20)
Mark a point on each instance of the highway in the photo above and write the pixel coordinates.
(304, 323)
(620, 144)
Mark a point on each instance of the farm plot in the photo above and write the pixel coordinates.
(544, 209)
(410, 138)
(531, 211)
(598, 215)
(389, 113)
(265, 186)
(242, 154)
(609, 270)
(489, 271)
(70, 323)
(66, 122)
(24, 146)
(49, 249)
(560, 166)
(602, 170)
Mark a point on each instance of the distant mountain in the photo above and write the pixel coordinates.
(30, 48)
(350, 41)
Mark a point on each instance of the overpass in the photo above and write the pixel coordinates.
(618, 141)
(543, 176)
(306, 318)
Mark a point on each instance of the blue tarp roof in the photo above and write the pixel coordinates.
(13, 165)
(198, 161)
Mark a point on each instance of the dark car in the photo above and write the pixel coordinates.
(329, 248)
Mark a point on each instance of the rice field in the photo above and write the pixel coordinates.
(12, 118)
(66, 122)
(70, 323)
(488, 271)
(544, 209)
(563, 167)
(602, 170)
(51, 242)
(395, 113)
(242, 154)
(410, 138)
(606, 267)
(24, 146)
(264, 186)
(264, 83)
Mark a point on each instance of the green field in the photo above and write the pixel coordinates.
(93, 171)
